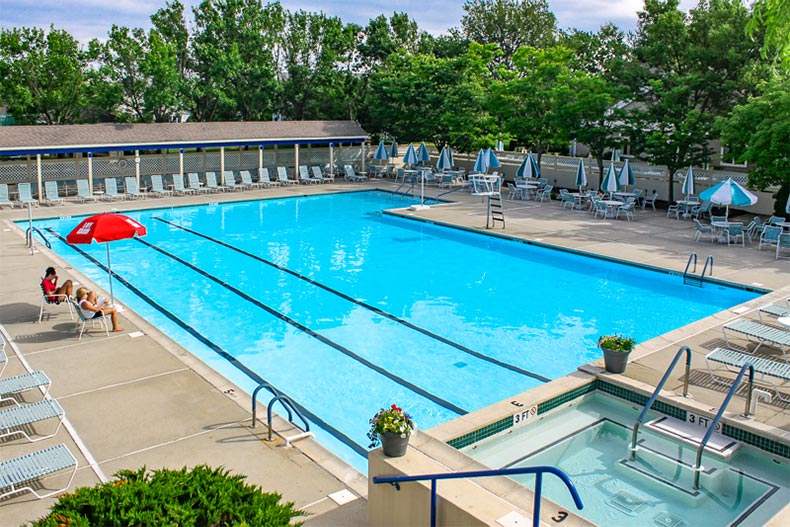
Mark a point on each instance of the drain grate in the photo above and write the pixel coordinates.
(667, 519)
(628, 503)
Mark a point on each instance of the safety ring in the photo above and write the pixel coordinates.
(122, 164)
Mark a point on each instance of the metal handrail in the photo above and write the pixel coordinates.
(395, 481)
(29, 237)
(660, 385)
(712, 427)
(705, 267)
(692, 256)
(283, 400)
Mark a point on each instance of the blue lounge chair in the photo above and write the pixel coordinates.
(18, 474)
(84, 193)
(17, 384)
(282, 177)
(211, 183)
(130, 185)
(734, 361)
(178, 185)
(16, 420)
(158, 186)
(51, 194)
(111, 189)
(26, 196)
(4, 196)
(759, 332)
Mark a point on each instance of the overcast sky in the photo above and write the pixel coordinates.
(86, 19)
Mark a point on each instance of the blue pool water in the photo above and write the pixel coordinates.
(347, 310)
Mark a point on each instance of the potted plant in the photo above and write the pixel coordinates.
(392, 428)
(616, 349)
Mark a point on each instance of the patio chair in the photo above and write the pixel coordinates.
(769, 236)
(702, 229)
(638, 194)
(265, 179)
(229, 179)
(17, 420)
(111, 189)
(317, 175)
(773, 220)
(304, 176)
(211, 183)
(84, 193)
(51, 194)
(760, 333)
(158, 187)
(734, 360)
(25, 195)
(650, 200)
(601, 208)
(674, 209)
(130, 186)
(718, 219)
(783, 243)
(545, 193)
(247, 182)
(53, 299)
(700, 210)
(627, 208)
(282, 177)
(19, 474)
(733, 232)
(83, 321)
(178, 185)
(10, 387)
(4, 196)
(193, 182)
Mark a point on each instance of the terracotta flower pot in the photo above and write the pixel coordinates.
(393, 445)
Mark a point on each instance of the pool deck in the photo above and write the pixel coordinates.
(137, 398)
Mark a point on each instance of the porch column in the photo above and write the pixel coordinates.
(181, 161)
(222, 164)
(137, 167)
(296, 161)
(331, 158)
(39, 177)
(90, 171)
(260, 158)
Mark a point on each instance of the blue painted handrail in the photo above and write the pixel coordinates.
(395, 481)
(660, 385)
(286, 403)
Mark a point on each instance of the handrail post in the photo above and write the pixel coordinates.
(433, 502)
(536, 505)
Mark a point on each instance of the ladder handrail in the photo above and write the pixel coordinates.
(736, 383)
(283, 400)
(660, 385)
(692, 256)
(538, 471)
(29, 236)
(705, 268)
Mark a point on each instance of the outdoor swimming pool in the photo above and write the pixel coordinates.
(590, 441)
(346, 310)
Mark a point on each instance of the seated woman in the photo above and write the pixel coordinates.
(94, 308)
(50, 286)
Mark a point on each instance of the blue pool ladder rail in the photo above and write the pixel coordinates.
(693, 279)
(395, 481)
(286, 403)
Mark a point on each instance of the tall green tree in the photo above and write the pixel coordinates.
(771, 21)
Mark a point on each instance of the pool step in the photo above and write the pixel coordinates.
(690, 434)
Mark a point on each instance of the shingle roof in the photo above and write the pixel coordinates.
(20, 140)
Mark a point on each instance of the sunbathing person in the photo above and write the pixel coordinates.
(50, 286)
(91, 307)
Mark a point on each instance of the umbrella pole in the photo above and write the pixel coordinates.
(109, 272)
(422, 188)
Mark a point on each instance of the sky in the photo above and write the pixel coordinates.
(87, 19)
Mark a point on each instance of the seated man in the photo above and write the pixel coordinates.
(50, 286)
(91, 307)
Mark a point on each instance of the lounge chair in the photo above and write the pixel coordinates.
(16, 420)
(769, 236)
(3, 356)
(4, 196)
(84, 193)
(178, 185)
(265, 180)
(194, 183)
(83, 321)
(351, 175)
(211, 183)
(111, 189)
(760, 332)
(246, 180)
(53, 299)
(130, 186)
(11, 386)
(158, 187)
(18, 474)
(650, 200)
(51, 195)
(734, 361)
(230, 180)
(25, 195)
(282, 177)
(320, 176)
(776, 310)
(304, 176)
(703, 230)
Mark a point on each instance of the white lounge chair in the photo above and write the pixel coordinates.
(111, 189)
(211, 183)
(18, 474)
(17, 420)
(130, 187)
(4, 196)
(158, 187)
(282, 177)
(230, 181)
(26, 196)
(84, 193)
(3, 356)
(734, 360)
(304, 176)
(51, 194)
(775, 310)
(353, 176)
(11, 386)
(178, 185)
(194, 183)
(319, 176)
(264, 179)
(759, 332)
(246, 180)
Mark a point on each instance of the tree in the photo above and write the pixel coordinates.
(510, 24)
(44, 76)
(773, 16)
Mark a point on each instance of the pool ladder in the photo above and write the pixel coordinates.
(693, 279)
(289, 406)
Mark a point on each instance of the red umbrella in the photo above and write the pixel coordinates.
(105, 228)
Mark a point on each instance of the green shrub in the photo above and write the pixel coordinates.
(201, 497)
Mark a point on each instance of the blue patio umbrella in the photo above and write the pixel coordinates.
(626, 176)
(500, 146)
(394, 150)
(381, 152)
(493, 161)
(581, 176)
(728, 193)
(486, 159)
(688, 183)
(529, 168)
(411, 156)
(609, 183)
(422, 154)
(481, 165)
(444, 162)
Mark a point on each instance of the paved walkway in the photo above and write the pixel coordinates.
(137, 398)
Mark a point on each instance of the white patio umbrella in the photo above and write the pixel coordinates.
(581, 176)
(609, 183)
(500, 146)
(728, 193)
(626, 176)
(689, 186)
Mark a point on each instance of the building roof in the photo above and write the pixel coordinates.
(23, 140)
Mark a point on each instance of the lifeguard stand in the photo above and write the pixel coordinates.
(489, 187)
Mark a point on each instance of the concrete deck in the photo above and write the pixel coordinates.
(144, 400)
